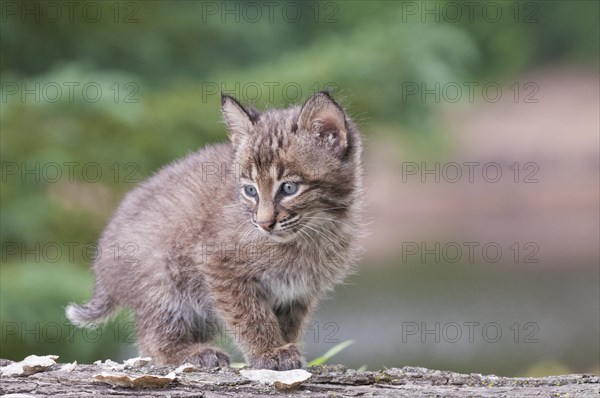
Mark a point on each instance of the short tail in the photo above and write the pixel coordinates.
(96, 311)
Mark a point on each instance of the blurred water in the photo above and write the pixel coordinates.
(392, 311)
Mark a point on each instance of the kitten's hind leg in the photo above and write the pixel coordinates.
(175, 344)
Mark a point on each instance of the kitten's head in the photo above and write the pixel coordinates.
(299, 168)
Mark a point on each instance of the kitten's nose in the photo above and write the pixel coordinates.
(267, 225)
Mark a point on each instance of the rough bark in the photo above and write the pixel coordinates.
(327, 381)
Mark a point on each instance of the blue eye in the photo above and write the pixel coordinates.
(250, 190)
(289, 187)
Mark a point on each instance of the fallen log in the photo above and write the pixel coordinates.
(145, 380)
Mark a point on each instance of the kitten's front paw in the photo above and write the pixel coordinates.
(286, 357)
(209, 357)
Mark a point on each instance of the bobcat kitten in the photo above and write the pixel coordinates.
(245, 235)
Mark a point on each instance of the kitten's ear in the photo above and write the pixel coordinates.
(322, 116)
(240, 121)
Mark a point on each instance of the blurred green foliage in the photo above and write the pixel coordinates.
(161, 75)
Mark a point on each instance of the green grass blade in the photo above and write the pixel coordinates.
(332, 351)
